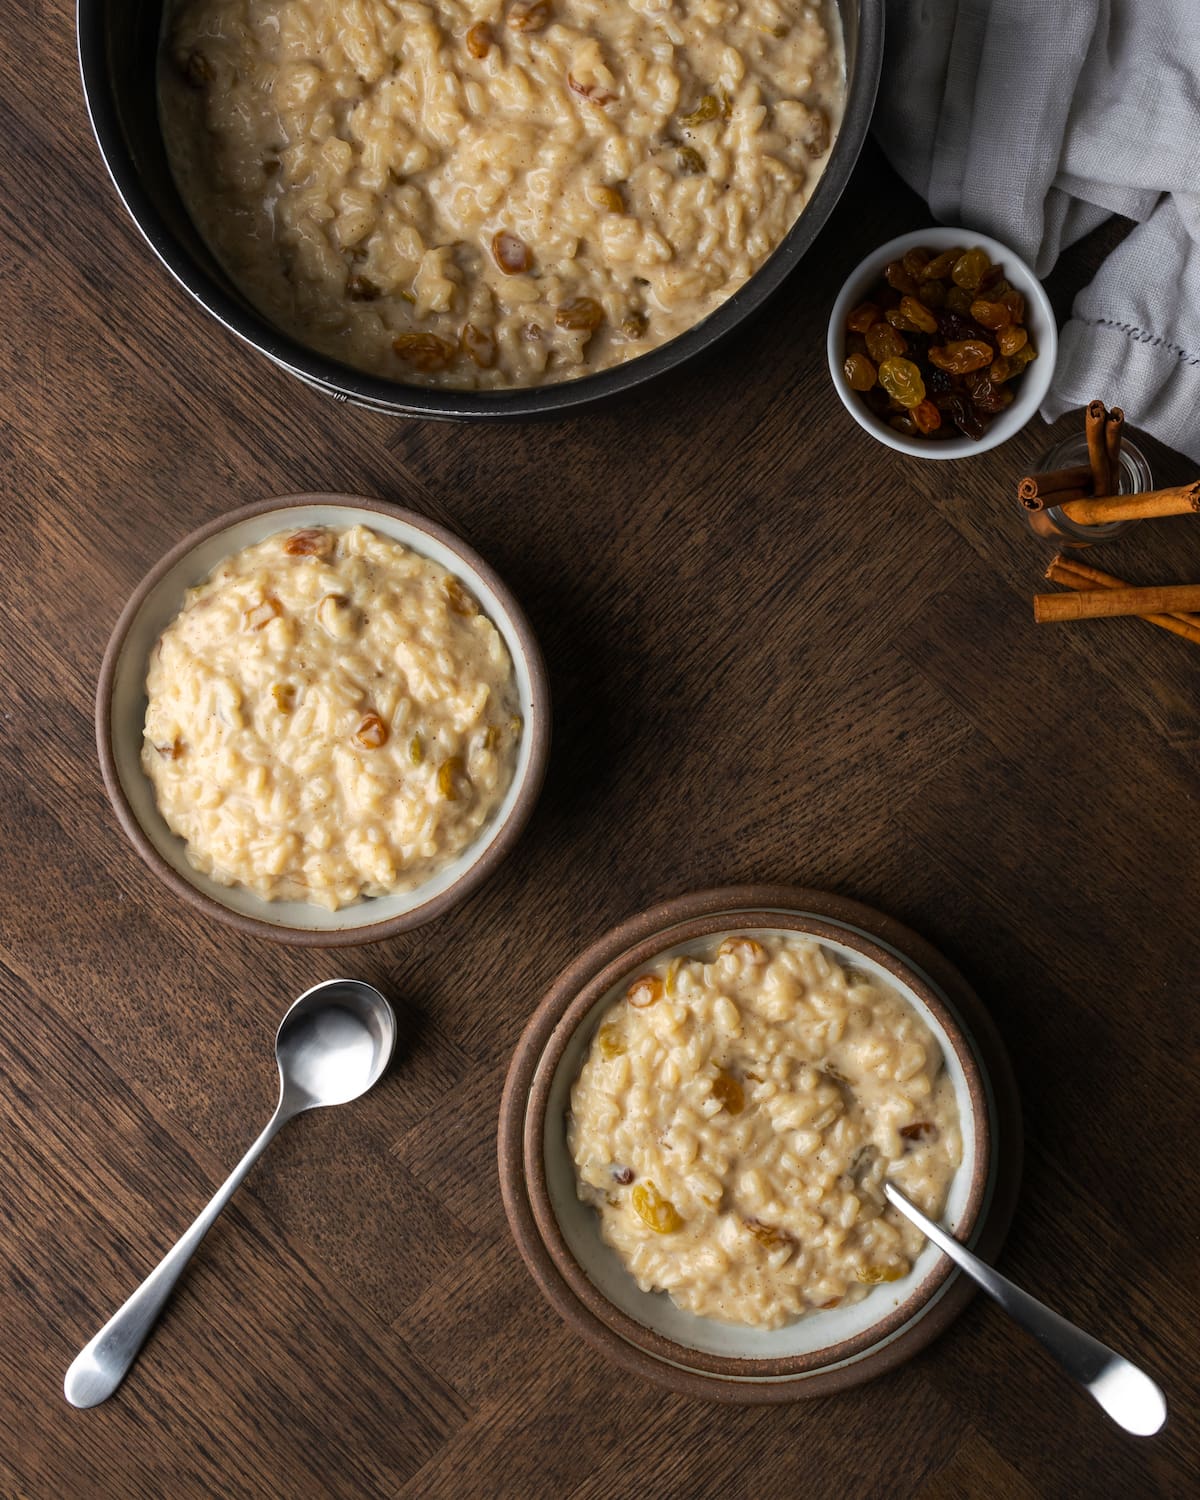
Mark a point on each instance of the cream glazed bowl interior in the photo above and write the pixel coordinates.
(121, 710)
(1039, 319)
(584, 1277)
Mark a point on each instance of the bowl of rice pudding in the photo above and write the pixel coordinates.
(697, 1122)
(480, 208)
(322, 719)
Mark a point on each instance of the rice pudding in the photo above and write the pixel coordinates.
(492, 193)
(735, 1117)
(330, 717)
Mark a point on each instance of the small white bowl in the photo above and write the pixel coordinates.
(121, 712)
(1035, 381)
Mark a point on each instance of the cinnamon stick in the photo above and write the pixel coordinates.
(1035, 490)
(1081, 576)
(1105, 603)
(1179, 500)
(1114, 426)
(1094, 424)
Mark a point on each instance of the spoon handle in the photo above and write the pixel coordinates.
(101, 1365)
(1126, 1393)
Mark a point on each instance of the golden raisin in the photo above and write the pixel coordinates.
(990, 314)
(479, 39)
(416, 750)
(372, 732)
(262, 613)
(284, 694)
(457, 597)
(922, 1130)
(833, 1302)
(967, 271)
(915, 260)
(918, 315)
(448, 778)
(859, 372)
(926, 416)
(728, 1092)
(769, 1236)
(885, 342)
(610, 1041)
(580, 315)
(745, 949)
(690, 160)
(511, 254)
(529, 15)
(479, 344)
(647, 990)
(940, 266)
(814, 134)
(634, 325)
(1012, 338)
(707, 109)
(360, 288)
(860, 318)
(1015, 303)
(426, 351)
(655, 1211)
(1025, 355)
(609, 198)
(172, 751)
(873, 1275)
(901, 379)
(898, 278)
(314, 541)
(961, 356)
(1000, 369)
(491, 737)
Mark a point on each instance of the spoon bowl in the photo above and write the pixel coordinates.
(334, 1043)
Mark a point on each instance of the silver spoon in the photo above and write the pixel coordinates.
(332, 1045)
(1126, 1393)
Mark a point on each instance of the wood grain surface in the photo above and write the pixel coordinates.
(777, 652)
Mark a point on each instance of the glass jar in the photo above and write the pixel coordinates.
(1136, 479)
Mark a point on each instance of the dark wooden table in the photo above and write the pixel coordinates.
(777, 652)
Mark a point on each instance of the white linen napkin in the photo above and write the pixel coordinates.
(1033, 121)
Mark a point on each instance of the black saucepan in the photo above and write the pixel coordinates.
(118, 41)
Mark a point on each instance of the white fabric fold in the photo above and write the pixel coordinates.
(1034, 121)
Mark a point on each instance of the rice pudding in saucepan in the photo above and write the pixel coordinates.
(330, 716)
(490, 193)
(735, 1117)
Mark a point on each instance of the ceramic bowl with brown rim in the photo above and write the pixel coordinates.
(559, 1235)
(121, 711)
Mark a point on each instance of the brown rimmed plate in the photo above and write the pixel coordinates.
(121, 707)
(644, 1333)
